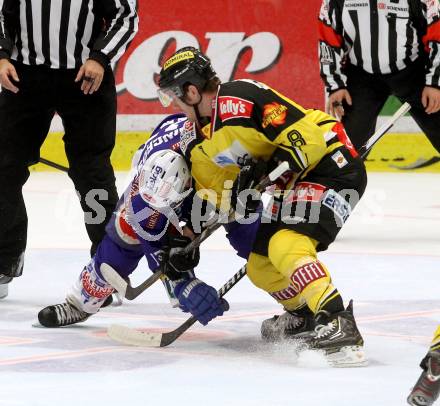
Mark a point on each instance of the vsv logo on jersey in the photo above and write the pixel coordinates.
(169, 133)
(162, 139)
(234, 107)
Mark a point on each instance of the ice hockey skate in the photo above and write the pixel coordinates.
(427, 388)
(338, 337)
(287, 325)
(80, 296)
(60, 315)
(4, 284)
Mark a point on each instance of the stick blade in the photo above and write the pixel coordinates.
(420, 163)
(128, 336)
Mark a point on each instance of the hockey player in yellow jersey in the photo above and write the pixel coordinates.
(427, 388)
(252, 129)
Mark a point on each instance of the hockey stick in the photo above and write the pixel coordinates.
(404, 108)
(129, 336)
(129, 292)
(420, 163)
(54, 165)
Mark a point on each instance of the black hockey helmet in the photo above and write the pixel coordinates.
(186, 66)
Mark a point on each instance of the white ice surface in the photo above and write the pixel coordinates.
(386, 259)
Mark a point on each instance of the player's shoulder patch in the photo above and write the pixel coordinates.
(188, 137)
(234, 107)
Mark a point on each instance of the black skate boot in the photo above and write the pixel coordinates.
(60, 315)
(427, 387)
(287, 325)
(338, 337)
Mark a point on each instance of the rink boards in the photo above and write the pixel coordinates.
(392, 153)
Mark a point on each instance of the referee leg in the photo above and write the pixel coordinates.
(368, 97)
(24, 123)
(90, 128)
(408, 87)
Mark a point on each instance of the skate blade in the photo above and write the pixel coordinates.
(347, 357)
(419, 400)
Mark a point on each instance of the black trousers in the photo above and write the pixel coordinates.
(369, 94)
(322, 217)
(90, 127)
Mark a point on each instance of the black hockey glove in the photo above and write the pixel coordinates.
(174, 263)
(249, 176)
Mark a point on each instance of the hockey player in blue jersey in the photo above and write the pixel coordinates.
(146, 223)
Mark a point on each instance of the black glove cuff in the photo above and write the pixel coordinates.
(4, 54)
(99, 57)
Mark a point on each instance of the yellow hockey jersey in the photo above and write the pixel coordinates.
(250, 119)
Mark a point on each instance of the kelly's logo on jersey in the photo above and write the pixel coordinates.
(234, 107)
(274, 114)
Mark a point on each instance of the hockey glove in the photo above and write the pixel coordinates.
(249, 176)
(174, 262)
(200, 299)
